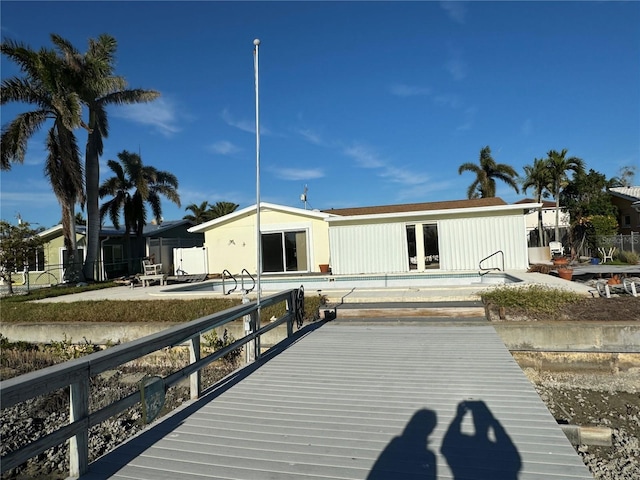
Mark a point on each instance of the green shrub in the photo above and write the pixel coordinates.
(631, 258)
(533, 298)
(216, 343)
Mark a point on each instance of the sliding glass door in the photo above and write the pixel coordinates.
(284, 252)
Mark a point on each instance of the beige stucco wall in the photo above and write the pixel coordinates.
(232, 245)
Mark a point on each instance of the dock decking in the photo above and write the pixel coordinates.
(361, 402)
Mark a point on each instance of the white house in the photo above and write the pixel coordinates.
(447, 236)
(437, 236)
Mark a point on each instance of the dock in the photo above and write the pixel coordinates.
(343, 401)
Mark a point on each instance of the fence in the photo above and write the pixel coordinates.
(627, 243)
(76, 374)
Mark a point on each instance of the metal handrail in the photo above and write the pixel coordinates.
(76, 374)
(229, 276)
(483, 270)
(247, 290)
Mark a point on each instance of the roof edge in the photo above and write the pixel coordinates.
(433, 213)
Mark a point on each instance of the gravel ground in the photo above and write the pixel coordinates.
(611, 401)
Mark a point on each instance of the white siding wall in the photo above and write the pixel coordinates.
(374, 248)
(465, 241)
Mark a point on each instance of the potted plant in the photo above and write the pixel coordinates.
(565, 272)
(560, 260)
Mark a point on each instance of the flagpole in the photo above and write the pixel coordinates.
(256, 44)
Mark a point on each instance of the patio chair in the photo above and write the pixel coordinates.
(606, 253)
(629, 285)
(149, 268)
(556, 248)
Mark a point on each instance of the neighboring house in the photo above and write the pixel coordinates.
(548, 219)
(293, 240)
(115, 258)
(548, 215)
(627, 199)
(449, 236)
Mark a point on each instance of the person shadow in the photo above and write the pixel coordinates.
(407, 456)
(486, 454)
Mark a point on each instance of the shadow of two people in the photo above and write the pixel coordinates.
(485, 453)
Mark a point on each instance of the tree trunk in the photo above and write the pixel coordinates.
(9, 281)
(73, 271)
(92, 181)
(540, 233)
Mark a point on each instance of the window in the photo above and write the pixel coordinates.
(114, 263)
(36, 261)
(65, 257)
(626, 220)
(284, 252)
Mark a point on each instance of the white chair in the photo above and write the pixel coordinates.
(151, 268)
(606, 253)
(556, 248)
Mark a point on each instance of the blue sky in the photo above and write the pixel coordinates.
(366, 103)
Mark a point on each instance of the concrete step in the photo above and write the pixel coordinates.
(402, 310)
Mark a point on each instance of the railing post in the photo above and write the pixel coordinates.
(255, 321)
(194, 378)
(79, 444)
(291, 312)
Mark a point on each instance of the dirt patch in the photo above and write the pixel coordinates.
(624, 308)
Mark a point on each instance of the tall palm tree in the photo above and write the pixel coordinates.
(220, 209)
(133, 186)
(97, 87)
(487, 171)
(537, 177)
(45, 85)
(199, 213)
(558, 165)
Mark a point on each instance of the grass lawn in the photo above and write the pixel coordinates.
(20, 309)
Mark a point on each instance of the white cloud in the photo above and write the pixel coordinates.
(298, 173)
(364, 156)
(310, 136)
(448, 100)
(223, 147)
(401, 90)
(159, 114)
(405, 177)
(244, 125)
(455, 10)
(457, 68)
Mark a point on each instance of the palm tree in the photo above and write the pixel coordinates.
(537, 177)
(484, 186)
(45, 85)
(558, 165)
(220, 209)
(199, 213)
(133, 186)
(97, 87)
